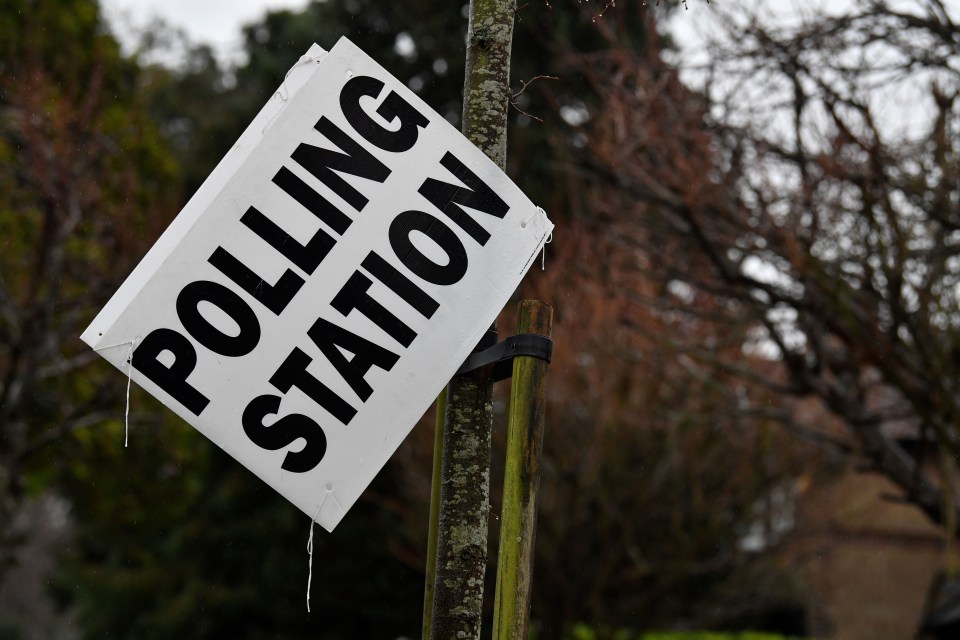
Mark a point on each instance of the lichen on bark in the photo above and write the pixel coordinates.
(486, 89)
(468, 424)
(464, 508)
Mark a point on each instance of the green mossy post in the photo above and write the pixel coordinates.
(464, 510)
(521, 480)
(431, 572)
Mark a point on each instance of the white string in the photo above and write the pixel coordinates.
(523, 225)
(543, 256)
(283, 87)
(117, 344)
(126, 412)
(310, 548)
(539, 211)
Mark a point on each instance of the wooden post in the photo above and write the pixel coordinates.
(521, 481)
(431, 571)
(464, 511)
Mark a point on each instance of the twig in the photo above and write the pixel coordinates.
(526, 84)
(513, 98)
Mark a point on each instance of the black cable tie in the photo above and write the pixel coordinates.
(503, 353)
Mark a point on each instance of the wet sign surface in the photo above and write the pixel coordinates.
(311, 300)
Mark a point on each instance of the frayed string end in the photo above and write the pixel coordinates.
(310, 548)
(126, 411)
(129, 360)
(543, 256)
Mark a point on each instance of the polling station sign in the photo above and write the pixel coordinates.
(316, 293)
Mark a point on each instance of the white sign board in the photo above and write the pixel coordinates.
(332, 273)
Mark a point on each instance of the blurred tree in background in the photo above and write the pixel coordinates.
(824, 218)
(626, 420)
(86, 182)
(713, 269)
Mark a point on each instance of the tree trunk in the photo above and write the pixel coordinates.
(465, 470)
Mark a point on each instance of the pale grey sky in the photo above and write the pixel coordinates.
(215, 22)
(218, 22)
